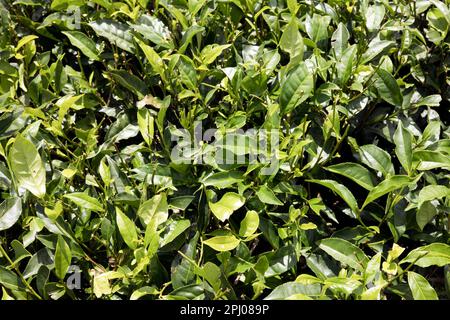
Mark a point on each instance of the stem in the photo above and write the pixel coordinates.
(13, 265)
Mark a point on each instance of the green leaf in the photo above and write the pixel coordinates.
(127, 229)
(146, 123)
(63, 257)
(372, 293)
(222, 180)
(64, 4)
(174, 229)
(267, 196)
(85, 201)
(249, 224)
(143, 291)
(391, 184)
(355, 172)
(341, 190)
(27, 166)
(435, 254)
(84, 43)
(297, 87)
(377, 159)
(425, 214)
(188, 35)
(428, 160)
(294, 290)
(291, 40)
(374, 17)
(345, 252)
(10, 211)
(376, 46)
(339, 40)
(154, 208)
(10, 280)
(187, 72)
(222, 243)
(104, 3)
(23, 41)
(131, 82)
(403, 147)
(345, 65)
(225, 207)
(388, 88)
(153, 29)
(432, 192)
(317, 28)
(420, 287)
(281, 260)
(345, 285)
(117, 33)
(153, 58)
(212, 52)
(373, 268)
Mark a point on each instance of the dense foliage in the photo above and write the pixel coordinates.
(356, 202)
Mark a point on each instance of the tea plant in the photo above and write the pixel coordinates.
(351, 202)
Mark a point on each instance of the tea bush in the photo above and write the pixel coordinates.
(345, 101)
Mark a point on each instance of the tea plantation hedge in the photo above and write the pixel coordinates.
(345, 101)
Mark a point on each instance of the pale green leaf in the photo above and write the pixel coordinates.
(28, 167)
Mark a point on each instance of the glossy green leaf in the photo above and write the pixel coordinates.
(64, 4)
(249, 224)
(63, 257)
(390, 184)
(153, 29)
(388, 88)
(85, 201)
(291, 290)
(420, 287)
(10, 211)
(340, 190)
(127, 229)
(403, 146)
(116, 32)
(317, 28)
(432, 192)
(297, 87)
(222, 243)
(154, 208)
(28, 167)
(376, 47)
(345, 252)
(374, 17)
(355, 172)
(10, 280)
(428, 160)
(172, 231)
(291, 40)
(152, 57)
(222, 180)
(425, 214)
(225, 207)
(211, 52)
(339, 40)
(345, 65)
(377, 159)
(146, 124)
(435, 254)
(267, 196)
(131, 82)
(84, 43)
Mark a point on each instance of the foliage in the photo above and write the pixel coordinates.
(356, 206)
